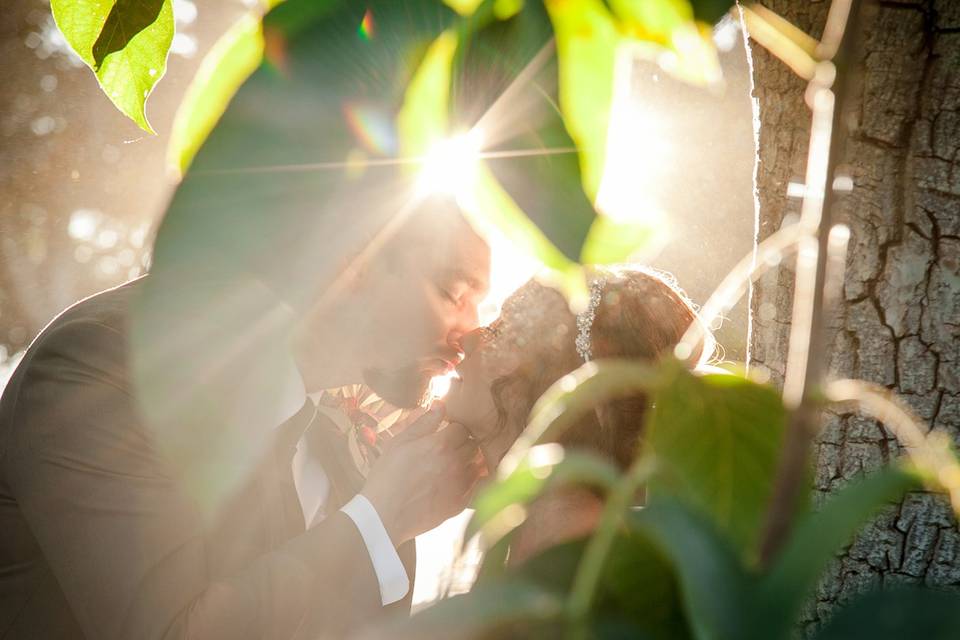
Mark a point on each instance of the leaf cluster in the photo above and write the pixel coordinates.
(684, 564)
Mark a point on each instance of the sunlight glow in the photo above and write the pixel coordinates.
(440, 385)
(639, 154)
(450, 166)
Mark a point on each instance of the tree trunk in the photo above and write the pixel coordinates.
(899, 321)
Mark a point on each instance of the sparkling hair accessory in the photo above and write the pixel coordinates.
(585, 320)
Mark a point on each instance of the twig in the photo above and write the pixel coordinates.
(826, 93)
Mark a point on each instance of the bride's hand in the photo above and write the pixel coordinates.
(426, 474)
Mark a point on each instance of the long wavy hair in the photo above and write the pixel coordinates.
(642, 315)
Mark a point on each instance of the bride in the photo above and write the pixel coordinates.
(633, 313)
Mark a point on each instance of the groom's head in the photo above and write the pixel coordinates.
(286, 192)
(422, 294)
(400, 306)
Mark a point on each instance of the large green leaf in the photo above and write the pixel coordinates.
(637, 585)
(231, 61)
(587, 40)
(124, 42)
(505, 87)
(670, 24)
(816, 540)
(711, 11)
(492, 207)
(565, 401)
(546, 465)
(610, 241)
(595, 558)
(717, 439)
(713, 583)
(897, 614)
(422, 120)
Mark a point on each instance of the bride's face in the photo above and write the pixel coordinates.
(531, 320)
(470, 400)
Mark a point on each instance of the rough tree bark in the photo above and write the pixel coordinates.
(899, 321)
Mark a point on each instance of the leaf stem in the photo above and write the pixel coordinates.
(827, 93)
(768, 255)
(930, 452)
(591, 564)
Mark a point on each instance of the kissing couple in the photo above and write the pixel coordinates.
(170, 466)
(167, 474)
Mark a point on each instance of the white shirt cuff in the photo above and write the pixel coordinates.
(391, 574)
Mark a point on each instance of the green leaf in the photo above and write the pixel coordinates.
(896, 614)
(717, 440)
(590, 570)
(491, 208)
(610, 241)
(711, 11)
(652, 20)
(505, 88)
(637, 585)
(479, 60)
(506, 9)
(422, 120)
(124, 42)
(587, 41)
(292, 17)
(670, 24)
(713, 582)
(499, 505)
(580, 391)
(228, 64)
(463, 7)
(486, 608)
(818, 537)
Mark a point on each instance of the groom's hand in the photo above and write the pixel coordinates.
(425, 475)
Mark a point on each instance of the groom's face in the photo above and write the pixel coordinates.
(422, 302)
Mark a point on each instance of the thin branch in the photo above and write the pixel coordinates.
(590, 568)
(930, 452)
(767, 255)
(806, 359)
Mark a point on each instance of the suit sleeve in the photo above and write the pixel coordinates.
(125, 543)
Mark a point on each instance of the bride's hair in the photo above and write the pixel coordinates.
(641, 314)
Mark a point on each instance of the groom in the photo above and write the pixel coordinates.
(109, 529)
(164, 472)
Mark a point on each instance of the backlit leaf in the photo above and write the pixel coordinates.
(545, 465)
(717, 440)
(422, 120)
(587, 40)
(610, 241)
(124, 42)
(490, 204)
(231, 61)
(690, 52)
(568, 399)
(713, 582)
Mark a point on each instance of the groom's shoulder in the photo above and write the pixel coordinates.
(108, 310)
(94, 329)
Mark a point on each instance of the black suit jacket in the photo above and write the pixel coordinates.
(99, 540)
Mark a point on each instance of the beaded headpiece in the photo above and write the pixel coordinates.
(585, 320)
